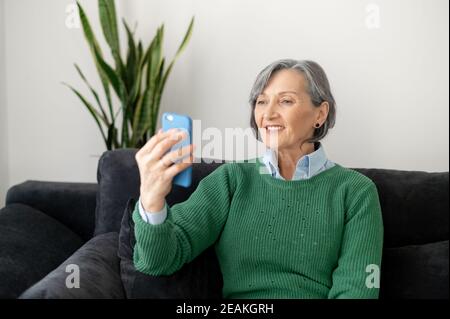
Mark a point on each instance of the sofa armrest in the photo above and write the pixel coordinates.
(72, 204)
(92, 272)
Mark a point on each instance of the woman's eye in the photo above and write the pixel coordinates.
(260, 102)
(287, 101)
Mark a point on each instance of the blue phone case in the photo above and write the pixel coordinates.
(183, 122)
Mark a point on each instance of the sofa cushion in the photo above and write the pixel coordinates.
(118, 180)
(31, 244)
(415, 272)
(99, 275)
(200, 278)
(72, 204)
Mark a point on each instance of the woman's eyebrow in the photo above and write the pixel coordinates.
(284, 92)
(288, 92)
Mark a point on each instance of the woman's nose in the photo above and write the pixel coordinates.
(270, 110)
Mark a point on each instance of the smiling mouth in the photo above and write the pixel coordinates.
(274, 128)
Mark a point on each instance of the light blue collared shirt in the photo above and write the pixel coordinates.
(308, 166)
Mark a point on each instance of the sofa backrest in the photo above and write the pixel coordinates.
(415, 204)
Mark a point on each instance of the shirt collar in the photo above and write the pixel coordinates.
(309, 163)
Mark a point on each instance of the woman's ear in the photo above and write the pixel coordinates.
(324, 108)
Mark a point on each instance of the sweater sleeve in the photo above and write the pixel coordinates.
(357, 274)
(190, 227)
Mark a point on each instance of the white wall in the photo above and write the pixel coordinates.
(51, 136)
(4, 176)
(391, 82)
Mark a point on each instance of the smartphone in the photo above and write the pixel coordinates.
(184, 123)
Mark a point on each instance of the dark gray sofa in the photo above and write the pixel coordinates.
(46, 226)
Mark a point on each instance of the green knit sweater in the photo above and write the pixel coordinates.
(315, 238)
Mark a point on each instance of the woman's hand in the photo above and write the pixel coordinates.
(157, 170)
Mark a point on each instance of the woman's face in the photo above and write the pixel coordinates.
(286, 104)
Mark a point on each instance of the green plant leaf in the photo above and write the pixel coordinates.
(186, 39)
(117, 113)
(140, 51)
(108, 20)
(157, 96)
(132, 58)
(94, 47)
(154, 57)
(141, 119)
(150, 48)
(91, 110)
(125, 134)
(152, 61)
(114, 79)
(136, 89)
(132, 81)
(142, 116)
(154, 64)
(104, 117)
(169, 69)
(111, 136)
(116, 142)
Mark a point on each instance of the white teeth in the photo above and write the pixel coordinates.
(274, 128)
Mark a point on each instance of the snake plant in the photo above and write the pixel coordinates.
(138, 80)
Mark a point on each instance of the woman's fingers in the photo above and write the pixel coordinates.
(164, 145)
(155, 140)
(155, 176)
(181, 153)
(173, 170)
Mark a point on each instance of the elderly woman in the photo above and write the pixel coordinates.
(291, 224)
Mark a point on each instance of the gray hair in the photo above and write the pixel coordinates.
(318, 90)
